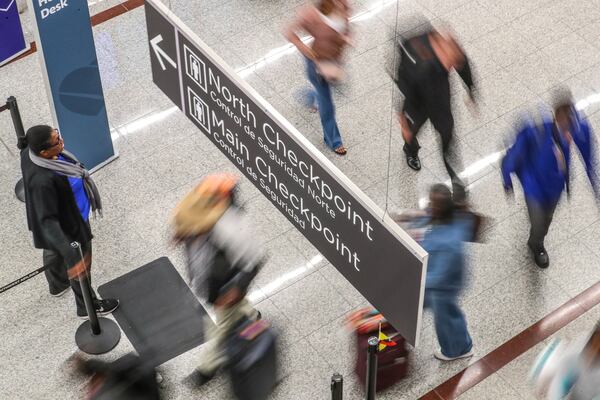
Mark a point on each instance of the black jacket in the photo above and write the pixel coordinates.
(52, 213)
(422, 78)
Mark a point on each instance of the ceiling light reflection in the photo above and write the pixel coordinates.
(272, 286)
(146, 121)
(471, 170)
(588, 101)
(278, 52)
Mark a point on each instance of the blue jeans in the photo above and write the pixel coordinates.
(331, 133)
(450, 323)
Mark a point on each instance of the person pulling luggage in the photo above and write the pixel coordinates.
(223, 257)
(540, 157)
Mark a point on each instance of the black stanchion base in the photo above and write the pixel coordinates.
(20, 190)
(108, 338)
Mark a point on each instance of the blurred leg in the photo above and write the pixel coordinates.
(331, 131)
(443, 122)
(412, 119)
(213, 356)
(540, 218)
(450, 325)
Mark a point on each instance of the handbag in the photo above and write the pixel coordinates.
(331, 71)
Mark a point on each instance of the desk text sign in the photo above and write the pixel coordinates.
(373, 253)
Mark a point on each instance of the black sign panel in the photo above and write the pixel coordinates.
(299, 181)
(163, 54)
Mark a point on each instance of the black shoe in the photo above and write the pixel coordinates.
(103, 307)
(540, 257)
(197, 379)
(412, 160)
(258, 315)
(60, 292)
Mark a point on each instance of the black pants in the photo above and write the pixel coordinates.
(540, 218)
(438, 110)
(56, 274)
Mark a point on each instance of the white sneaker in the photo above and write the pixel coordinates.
(438, 354)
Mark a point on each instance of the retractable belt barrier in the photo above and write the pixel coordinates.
(23, 279)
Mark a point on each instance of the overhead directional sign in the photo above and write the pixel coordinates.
(380, 260)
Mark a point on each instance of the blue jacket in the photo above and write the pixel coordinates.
(533, 158)
(445, 245)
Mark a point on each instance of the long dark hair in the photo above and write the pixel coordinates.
(446, 201)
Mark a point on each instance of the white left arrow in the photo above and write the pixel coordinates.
(160, 53)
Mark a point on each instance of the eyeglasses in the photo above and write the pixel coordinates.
(58, 141)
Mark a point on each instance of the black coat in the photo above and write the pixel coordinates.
(48, 198)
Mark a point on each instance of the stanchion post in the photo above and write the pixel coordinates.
(13, 107)
(372, 367)
(87, 295)
(11, 102)
(337, 387)
(96, 335)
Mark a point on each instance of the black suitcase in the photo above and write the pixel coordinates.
(252, 360)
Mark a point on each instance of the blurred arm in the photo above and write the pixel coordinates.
(464, 71)
(585, 141)
(291, 35)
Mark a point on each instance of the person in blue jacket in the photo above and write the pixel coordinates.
(442, 231)
(540, 157)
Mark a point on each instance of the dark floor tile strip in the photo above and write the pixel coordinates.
(432, 396)
(498, 358)
(107, 14)
(132, 4)
(32, 49)
(464, 380)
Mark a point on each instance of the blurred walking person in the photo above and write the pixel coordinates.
(540, 157)
(222, 259)
(127, 378)
(423, 78)
(569, 370)
(328, 23)
(442, 230)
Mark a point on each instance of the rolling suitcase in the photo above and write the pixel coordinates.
(252, 360)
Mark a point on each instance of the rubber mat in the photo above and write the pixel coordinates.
(159, 314)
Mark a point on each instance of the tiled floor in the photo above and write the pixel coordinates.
(520, 50)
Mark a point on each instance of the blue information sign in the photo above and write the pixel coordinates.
(68, 57)
(12, 40)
